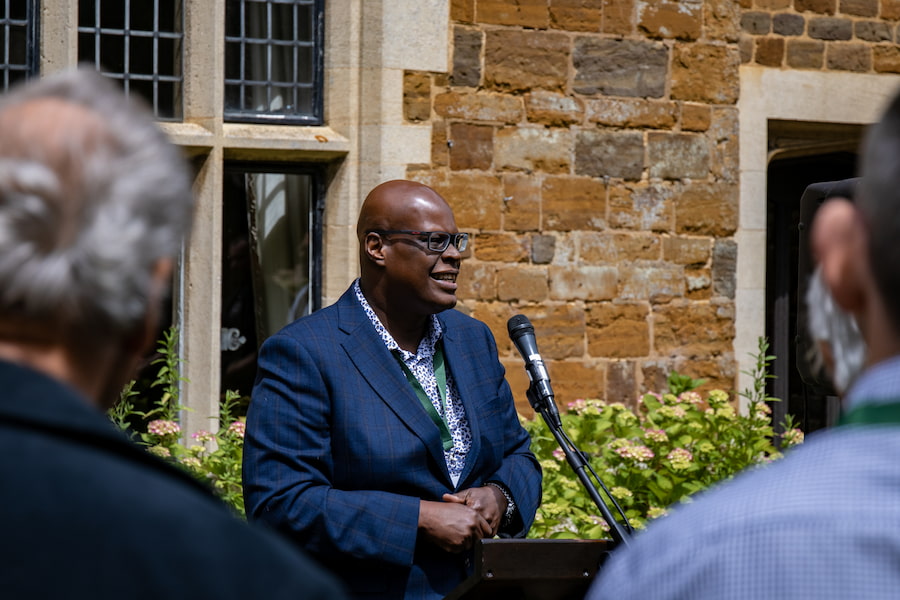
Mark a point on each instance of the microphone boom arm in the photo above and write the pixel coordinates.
(579, 463)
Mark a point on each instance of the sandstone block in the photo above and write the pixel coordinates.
(471, 146)
(859, 8)
(577, 379)
(553, 109)
(522, 202)
(560, 330)
(440, 150)
(642, 206)
(886, 59)
(822, 7)
(495, 315)
(618, 17)
(573, 203)
(500, 247)
(788, 24)
(519, 13)
(617, 247)
(609, 154)
(805, 54)
(583, 283)
(745, 47)
(873, 31)
(705, 73)
(683, 250)
(477, 281)
(770, 51)
(695, 117)
(890, 9)
(678, 155)
(621, 384)
(576, 15)
(620, 67)
(686, 327)
(525, 60)
(722, 20)
(830, 28)
(542, 249)
(651, 281)
(466, 57)
(724, 267)
(462, 10)
(416, 96)
(756, 23)
(698, 283)
(849, 57)
(705, 208)
(671, 20)
(618, 330)
(631, 112)
(476, 198)
(655, 375)
(773, 4)
(533, 149)
(471, 106)
(522, 284)
(725, 150)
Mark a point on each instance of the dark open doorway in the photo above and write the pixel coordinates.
(802, 154)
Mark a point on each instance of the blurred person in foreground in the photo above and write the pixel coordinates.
(823, 522)
(94, 205)
(382, 435)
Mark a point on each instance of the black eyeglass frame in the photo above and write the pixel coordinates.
(459, 240)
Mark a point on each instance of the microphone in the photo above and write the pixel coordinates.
(521, 333)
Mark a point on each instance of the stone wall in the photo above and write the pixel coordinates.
(842, 35)
(591, 149)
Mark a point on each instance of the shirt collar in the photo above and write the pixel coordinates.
(426, 346)
(879, 384)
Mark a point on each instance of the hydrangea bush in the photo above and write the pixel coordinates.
(212, 457)
(672, 445)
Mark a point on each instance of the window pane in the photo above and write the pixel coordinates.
(138, 42)
(270, 272)
(18, 41)
(272, 50)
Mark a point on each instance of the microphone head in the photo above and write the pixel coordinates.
(518, 326)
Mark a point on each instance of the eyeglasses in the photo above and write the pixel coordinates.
(437, 241)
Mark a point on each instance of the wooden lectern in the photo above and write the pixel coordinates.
(516, 569)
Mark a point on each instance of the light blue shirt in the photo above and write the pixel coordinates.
(823, 522)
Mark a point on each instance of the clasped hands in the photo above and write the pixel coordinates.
(461, 519)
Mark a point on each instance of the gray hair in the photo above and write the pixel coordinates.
(86, 212)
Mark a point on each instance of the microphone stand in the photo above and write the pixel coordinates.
(579, 463)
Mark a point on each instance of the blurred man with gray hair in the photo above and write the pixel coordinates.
(94, 206)
(824, 522)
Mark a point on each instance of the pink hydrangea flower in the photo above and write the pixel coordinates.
(163, 427)
(237, 428)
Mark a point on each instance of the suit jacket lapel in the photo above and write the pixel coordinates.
(381, 371)
(459, 362)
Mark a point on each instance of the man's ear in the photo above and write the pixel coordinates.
(374, 245)
(838, 243)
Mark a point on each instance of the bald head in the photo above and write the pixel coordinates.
(394, 202)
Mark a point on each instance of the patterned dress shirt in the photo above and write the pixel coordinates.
(421, 364)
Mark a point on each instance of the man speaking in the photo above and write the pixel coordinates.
(382, 436)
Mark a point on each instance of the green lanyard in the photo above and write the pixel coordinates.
(872, 414)
(441, 376)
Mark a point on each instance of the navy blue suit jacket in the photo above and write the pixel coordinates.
(339, 450)
(88, 514)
